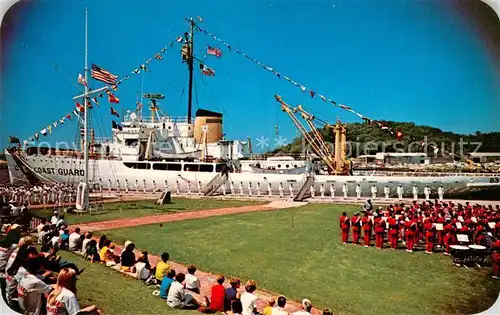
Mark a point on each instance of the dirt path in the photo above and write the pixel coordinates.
(207, 279)
(171, 217)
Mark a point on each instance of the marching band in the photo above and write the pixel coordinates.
(443, 225)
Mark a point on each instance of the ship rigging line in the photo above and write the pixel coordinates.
(313, 93)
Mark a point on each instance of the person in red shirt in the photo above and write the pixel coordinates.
(497, 230)
(449, 237)
(344, 227)
(393, 232)
(480, 237)
(367, 229)
(356, 228)
(380, 226)
(410, 232)
(440, 234)
(217, 296)
(429, 236)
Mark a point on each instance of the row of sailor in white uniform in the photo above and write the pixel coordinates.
(56, 194)
(258, 189)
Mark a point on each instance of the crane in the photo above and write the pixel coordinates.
(313, 136)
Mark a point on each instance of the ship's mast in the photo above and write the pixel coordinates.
(85, 101)
(190, 66)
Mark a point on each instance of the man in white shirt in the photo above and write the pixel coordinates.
(248, 299)
(280, 308)
(177, 297)
(54, 218)
(30, 289)
(88, 238)
(74, 240)
(306, 308)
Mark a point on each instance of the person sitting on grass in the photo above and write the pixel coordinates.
(327, 311)
(54, 218)
(88, 238)
(62, 300)
(280, 309)
(65, 240)
(31, 288)
(54, 263)
(177, 297)
(166, 283)
(74, 240)
(39, 229)
(306, 308)
(107, 255)
(231, 293)
(91, 252)
(268, 310)
(141, 267)
(162, 267)
(248, 299)
(236, 308)
(101, 242)
(192, 283)
(56, 238)
(128, 258)
(217, 295)
(61, 222)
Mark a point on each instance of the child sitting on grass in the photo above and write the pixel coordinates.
(268, 310)
(192, 283)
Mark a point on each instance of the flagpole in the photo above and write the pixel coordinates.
(85, 100)
(190, 65)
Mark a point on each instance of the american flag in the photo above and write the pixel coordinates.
(207, 71)
(103, 75)
(214, 51)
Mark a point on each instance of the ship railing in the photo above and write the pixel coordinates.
(425, 174)
(169, 119)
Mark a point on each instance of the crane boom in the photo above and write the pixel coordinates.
(316, 141)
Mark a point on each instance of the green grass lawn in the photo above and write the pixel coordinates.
(115, 293)
(297, 253)
(146, 207)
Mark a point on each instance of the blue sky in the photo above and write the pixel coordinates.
(420, 61)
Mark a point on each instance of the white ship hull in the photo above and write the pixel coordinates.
(116, 174)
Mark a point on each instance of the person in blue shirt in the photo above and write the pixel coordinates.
(165, 284)
(65, 239)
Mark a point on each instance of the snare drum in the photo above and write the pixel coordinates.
(459, 254)
(478, 253)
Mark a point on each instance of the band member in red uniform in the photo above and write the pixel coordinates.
(393, 232)
(449, 237)
(440, 234)
(367, 229)
(344, 227)
(497, 229)
(356, 228)
(429, 236)
(480, 237)
(410, 232)
(380, 226)
(495, 260)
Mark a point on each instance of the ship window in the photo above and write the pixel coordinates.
(160, 166)
(174, 167)
(279, 165)
(286, 166)
(163, 125)
(139, 166)
(191, 167)
(206, 168)
(219, 167)
(169, 127)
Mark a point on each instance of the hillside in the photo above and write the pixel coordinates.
(366, 139)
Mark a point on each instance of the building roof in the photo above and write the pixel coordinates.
(485, 154)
